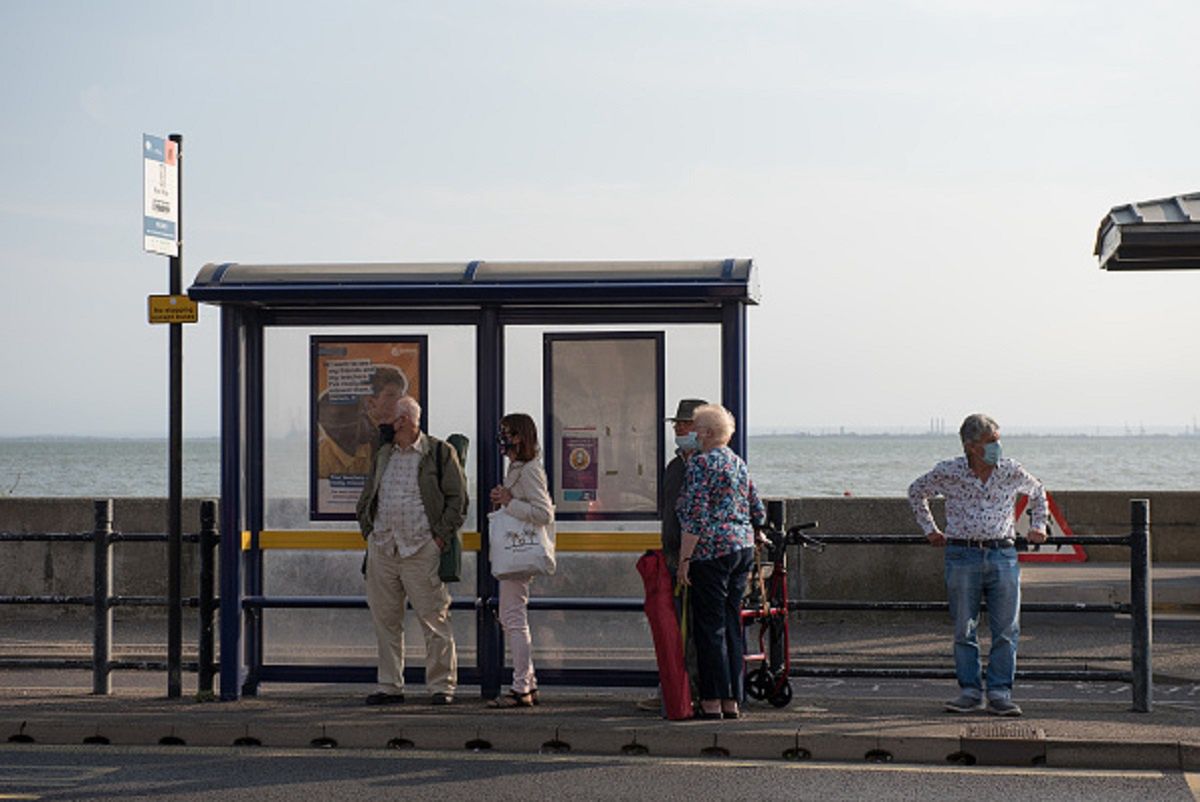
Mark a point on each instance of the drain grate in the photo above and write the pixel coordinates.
(1004, 729)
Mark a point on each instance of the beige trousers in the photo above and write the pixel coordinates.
(391, 581)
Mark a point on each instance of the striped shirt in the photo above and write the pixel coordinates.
(401, 524)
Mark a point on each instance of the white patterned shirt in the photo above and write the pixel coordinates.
(977, 510)
(401, 524)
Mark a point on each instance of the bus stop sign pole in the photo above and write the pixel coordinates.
(175, 463)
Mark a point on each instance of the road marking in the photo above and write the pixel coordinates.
(1193, 781)
(50, 776)
(810, 765)
(19, 796)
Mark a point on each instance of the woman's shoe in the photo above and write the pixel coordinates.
(513, 699)
(533, 695)
(704, 714)
(731, 714)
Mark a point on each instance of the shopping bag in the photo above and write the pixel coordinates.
(519, 548)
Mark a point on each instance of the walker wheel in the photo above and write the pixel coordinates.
(759, 684)
(782, 697)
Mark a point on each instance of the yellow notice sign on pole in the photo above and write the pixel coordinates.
(172, 309)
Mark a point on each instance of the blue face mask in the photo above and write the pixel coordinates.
(992, 452)
(687, 442)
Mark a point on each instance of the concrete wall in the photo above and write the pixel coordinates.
(914, 573)
(53, 569)
(840, 572)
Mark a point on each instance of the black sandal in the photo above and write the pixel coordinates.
(513, 699)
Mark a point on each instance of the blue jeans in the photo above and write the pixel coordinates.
(993, 575)
(718, 586)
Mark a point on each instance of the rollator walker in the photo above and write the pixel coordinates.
(766, 604)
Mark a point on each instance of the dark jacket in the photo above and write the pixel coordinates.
(445, 502)
(672, 487)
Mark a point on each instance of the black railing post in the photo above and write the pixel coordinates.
(1141, 599)
(101, 594)
(205, 594)
(775, 508)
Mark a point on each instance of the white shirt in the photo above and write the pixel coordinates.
(401, 524)
(977, 510)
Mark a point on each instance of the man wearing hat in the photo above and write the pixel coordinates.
(685, 446)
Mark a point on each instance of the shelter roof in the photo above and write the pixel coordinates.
(708, 282)
(1162, 234)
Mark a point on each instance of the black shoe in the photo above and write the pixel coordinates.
(441, 699)
(385, 698)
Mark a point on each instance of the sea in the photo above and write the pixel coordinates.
(783, 465)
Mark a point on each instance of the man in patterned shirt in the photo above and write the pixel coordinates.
(411, 506)
(981, 489)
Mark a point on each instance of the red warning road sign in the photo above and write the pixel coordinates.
(1048, 552)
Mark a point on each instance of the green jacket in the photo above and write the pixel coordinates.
(445, 504)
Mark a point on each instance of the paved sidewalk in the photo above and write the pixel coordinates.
(1066, 724)
(1095, 733)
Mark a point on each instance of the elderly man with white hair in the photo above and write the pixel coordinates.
(411, 506)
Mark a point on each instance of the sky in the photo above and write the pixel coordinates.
(919, 184)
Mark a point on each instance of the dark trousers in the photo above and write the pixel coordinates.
(718, 586)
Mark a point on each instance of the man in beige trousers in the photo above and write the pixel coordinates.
(412, 504)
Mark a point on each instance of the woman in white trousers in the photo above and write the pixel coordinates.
(524, 496)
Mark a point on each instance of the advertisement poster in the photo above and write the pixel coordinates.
(580, 476)
(355, 383)
(605, 420)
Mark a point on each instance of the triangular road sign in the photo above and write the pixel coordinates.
(1048, 552)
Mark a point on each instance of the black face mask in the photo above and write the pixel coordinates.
(505, 443)
(387, 433)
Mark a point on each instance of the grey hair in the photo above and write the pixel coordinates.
(717, 418)
(410, 407)
(976, 427)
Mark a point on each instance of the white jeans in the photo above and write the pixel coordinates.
(514, 617)
(391, 581)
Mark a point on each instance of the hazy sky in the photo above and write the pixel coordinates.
(919, 182)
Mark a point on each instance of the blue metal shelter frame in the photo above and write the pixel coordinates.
(486, 295)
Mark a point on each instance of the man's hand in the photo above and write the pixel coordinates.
(441, 544)
(1036, 536)
(936, 538)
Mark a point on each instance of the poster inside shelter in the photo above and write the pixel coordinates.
(606, 423)
(355, 384)
(580, 478)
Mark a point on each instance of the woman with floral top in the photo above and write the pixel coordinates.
(719, 510)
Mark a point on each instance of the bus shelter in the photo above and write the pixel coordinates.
(610, 357)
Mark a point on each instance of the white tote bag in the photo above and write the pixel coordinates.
(519, 548)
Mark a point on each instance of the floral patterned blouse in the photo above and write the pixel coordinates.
(719, 503)
(977, 510)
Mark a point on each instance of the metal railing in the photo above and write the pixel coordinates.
(103, 601)
(1140, 675)
(103, 537)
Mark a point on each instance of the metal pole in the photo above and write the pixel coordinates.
(175, 462)
(489, 358)
(205, 593)
(1141, 599)
(231, 501)
(102, 514)
(734, 370)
